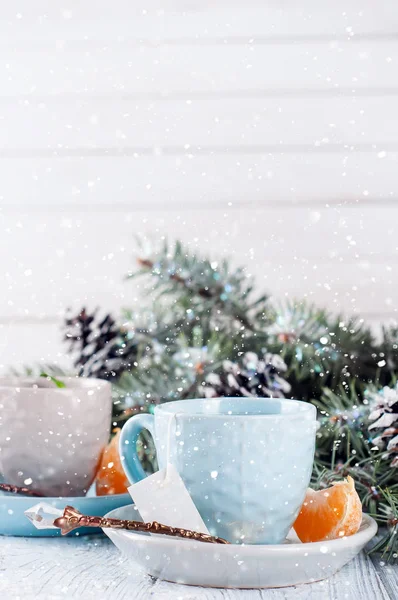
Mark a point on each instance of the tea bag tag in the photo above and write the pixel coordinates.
(163, 497)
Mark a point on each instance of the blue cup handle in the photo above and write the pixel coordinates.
(128, 445)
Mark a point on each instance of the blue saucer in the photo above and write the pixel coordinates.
(14, 522)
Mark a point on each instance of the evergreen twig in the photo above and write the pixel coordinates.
(206, 328)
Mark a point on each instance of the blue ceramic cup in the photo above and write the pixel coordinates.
(245, 461)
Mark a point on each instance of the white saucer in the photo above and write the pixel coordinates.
(231, 566)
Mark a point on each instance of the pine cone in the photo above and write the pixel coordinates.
(254, 377)
(384, 421)
(104, 349)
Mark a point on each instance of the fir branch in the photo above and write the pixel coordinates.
(208, 288)
(322, 350)
(342, 418)
(387, 516)
(205, 320)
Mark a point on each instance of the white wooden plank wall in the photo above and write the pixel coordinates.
(265, 130)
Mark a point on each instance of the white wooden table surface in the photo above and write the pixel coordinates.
(91, 567)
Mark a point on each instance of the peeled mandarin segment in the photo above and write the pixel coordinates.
(111, 478)
(329, 514)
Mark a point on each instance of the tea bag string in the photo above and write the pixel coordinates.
(172, 421)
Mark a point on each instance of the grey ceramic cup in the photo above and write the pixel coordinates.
(51, 439)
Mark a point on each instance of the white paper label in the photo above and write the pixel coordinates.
(163, 497)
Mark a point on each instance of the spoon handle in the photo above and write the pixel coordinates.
(23, 491)
(73, 519)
